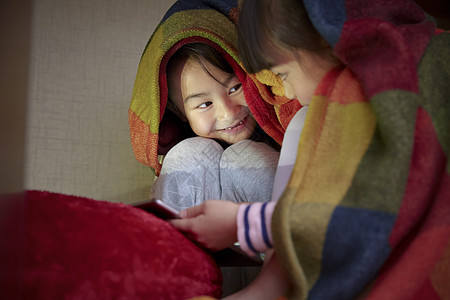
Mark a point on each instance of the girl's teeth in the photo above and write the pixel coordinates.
(240, 123)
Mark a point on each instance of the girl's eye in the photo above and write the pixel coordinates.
(205, 104)
(235, 88)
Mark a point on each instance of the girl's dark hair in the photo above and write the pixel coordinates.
(201, 51)
(266, 28)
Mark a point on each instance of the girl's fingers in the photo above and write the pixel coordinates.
(192, 212)
(181, 224)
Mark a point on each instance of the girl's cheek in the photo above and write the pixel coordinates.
(201, 124)
(288, 90)
(242, 101)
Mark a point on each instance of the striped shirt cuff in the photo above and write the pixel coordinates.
(254, 227)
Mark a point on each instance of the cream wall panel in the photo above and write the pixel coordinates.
(84, 58)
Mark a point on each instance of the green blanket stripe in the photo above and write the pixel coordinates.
(285, 246)
(388, 156)
(437, 57)
(210, 19)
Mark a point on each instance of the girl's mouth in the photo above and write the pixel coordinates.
(237, 127)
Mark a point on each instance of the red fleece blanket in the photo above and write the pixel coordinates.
(80, 248)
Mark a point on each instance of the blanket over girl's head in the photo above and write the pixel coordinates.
(154, 130)
(367, 209)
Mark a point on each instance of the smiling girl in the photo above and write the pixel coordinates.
(196, 117)
(230, 158)
(204, 91)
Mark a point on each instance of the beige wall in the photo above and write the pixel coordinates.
(84, 58)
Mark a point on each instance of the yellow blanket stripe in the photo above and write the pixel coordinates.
(313, 192)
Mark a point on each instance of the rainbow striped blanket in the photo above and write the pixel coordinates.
(367, 210)
(154, 130)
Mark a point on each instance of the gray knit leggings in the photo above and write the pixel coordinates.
(198, 169)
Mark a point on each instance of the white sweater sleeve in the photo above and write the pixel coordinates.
(254, 221)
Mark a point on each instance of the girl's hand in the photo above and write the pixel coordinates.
(212, 224)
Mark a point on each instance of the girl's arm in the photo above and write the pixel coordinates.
(271, 283)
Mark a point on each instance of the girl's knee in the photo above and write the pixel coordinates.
(247, 171)
(250, 154)
(191, 153)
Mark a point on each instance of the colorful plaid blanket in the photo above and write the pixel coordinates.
(153, 129)
(367, 210)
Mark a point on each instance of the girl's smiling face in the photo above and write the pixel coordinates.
(212, 101)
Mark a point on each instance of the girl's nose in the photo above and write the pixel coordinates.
(228, 109)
